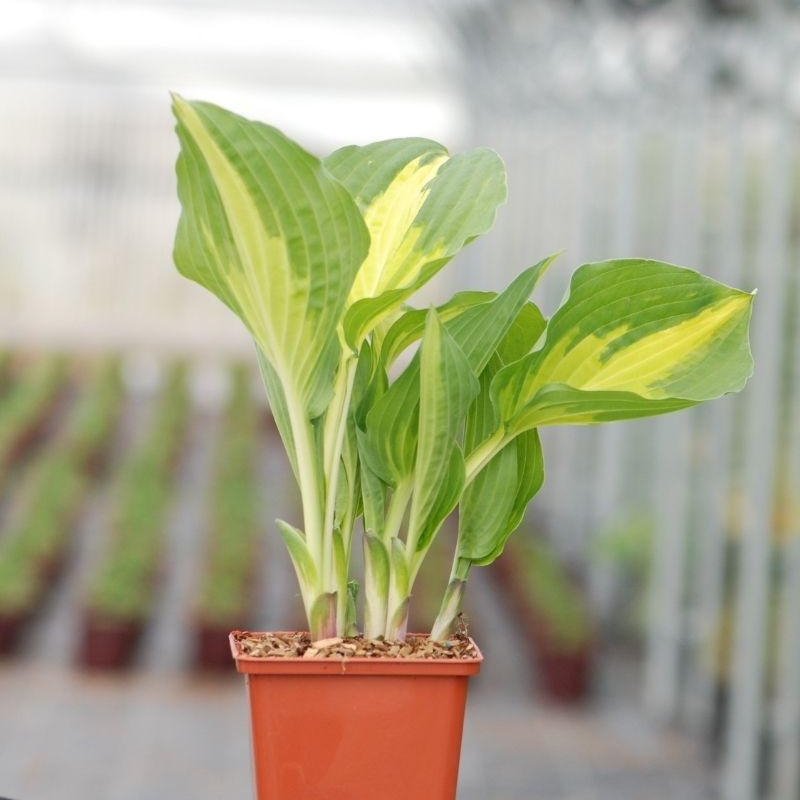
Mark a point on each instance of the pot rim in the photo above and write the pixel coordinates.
(353, 665)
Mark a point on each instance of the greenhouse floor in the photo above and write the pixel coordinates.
(159, 732)
(157, 735)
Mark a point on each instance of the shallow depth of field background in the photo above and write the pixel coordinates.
(660, 128)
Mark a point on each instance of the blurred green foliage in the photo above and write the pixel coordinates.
(225, 589)
(123, 586)
(55, 483)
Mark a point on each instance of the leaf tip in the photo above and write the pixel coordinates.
(178, 103)
(432, 318)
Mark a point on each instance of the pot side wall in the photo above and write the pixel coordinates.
(359, 737)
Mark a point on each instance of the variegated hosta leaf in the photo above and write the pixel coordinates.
(633, 338)
(421, 207)
(267, 229)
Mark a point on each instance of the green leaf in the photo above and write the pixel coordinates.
(377, 571)
(266, 228)
(487, 502)
(373, 494)
(400, 579)
(322, 616)
(409, 327)
(340, 558)
(446, 389)
(351, 625)
(524, 332)
(390, 444)
(451, 605)
(421, 208)
(370, 382)
(530, 478)
(478, 321)
(341, 565)
(633, 338)
(278, 407)
(348, 500)
(437, 500)
(493, 504)
(391, 424)
(481, 329)
(482, 417)
(301, 558)
(398, 623)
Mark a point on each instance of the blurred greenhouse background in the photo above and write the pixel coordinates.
(658, 128)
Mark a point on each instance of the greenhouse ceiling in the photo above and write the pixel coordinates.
(338, 72)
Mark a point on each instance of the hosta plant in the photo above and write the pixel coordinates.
(393, 416)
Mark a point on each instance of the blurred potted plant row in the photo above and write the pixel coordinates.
(234, 522)
(34, 546)
(122, 592)
(60, 452)
(393, 416)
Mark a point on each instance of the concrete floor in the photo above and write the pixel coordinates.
(152, 736)
(160, 733)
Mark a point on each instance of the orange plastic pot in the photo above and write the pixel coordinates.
(356, 728)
